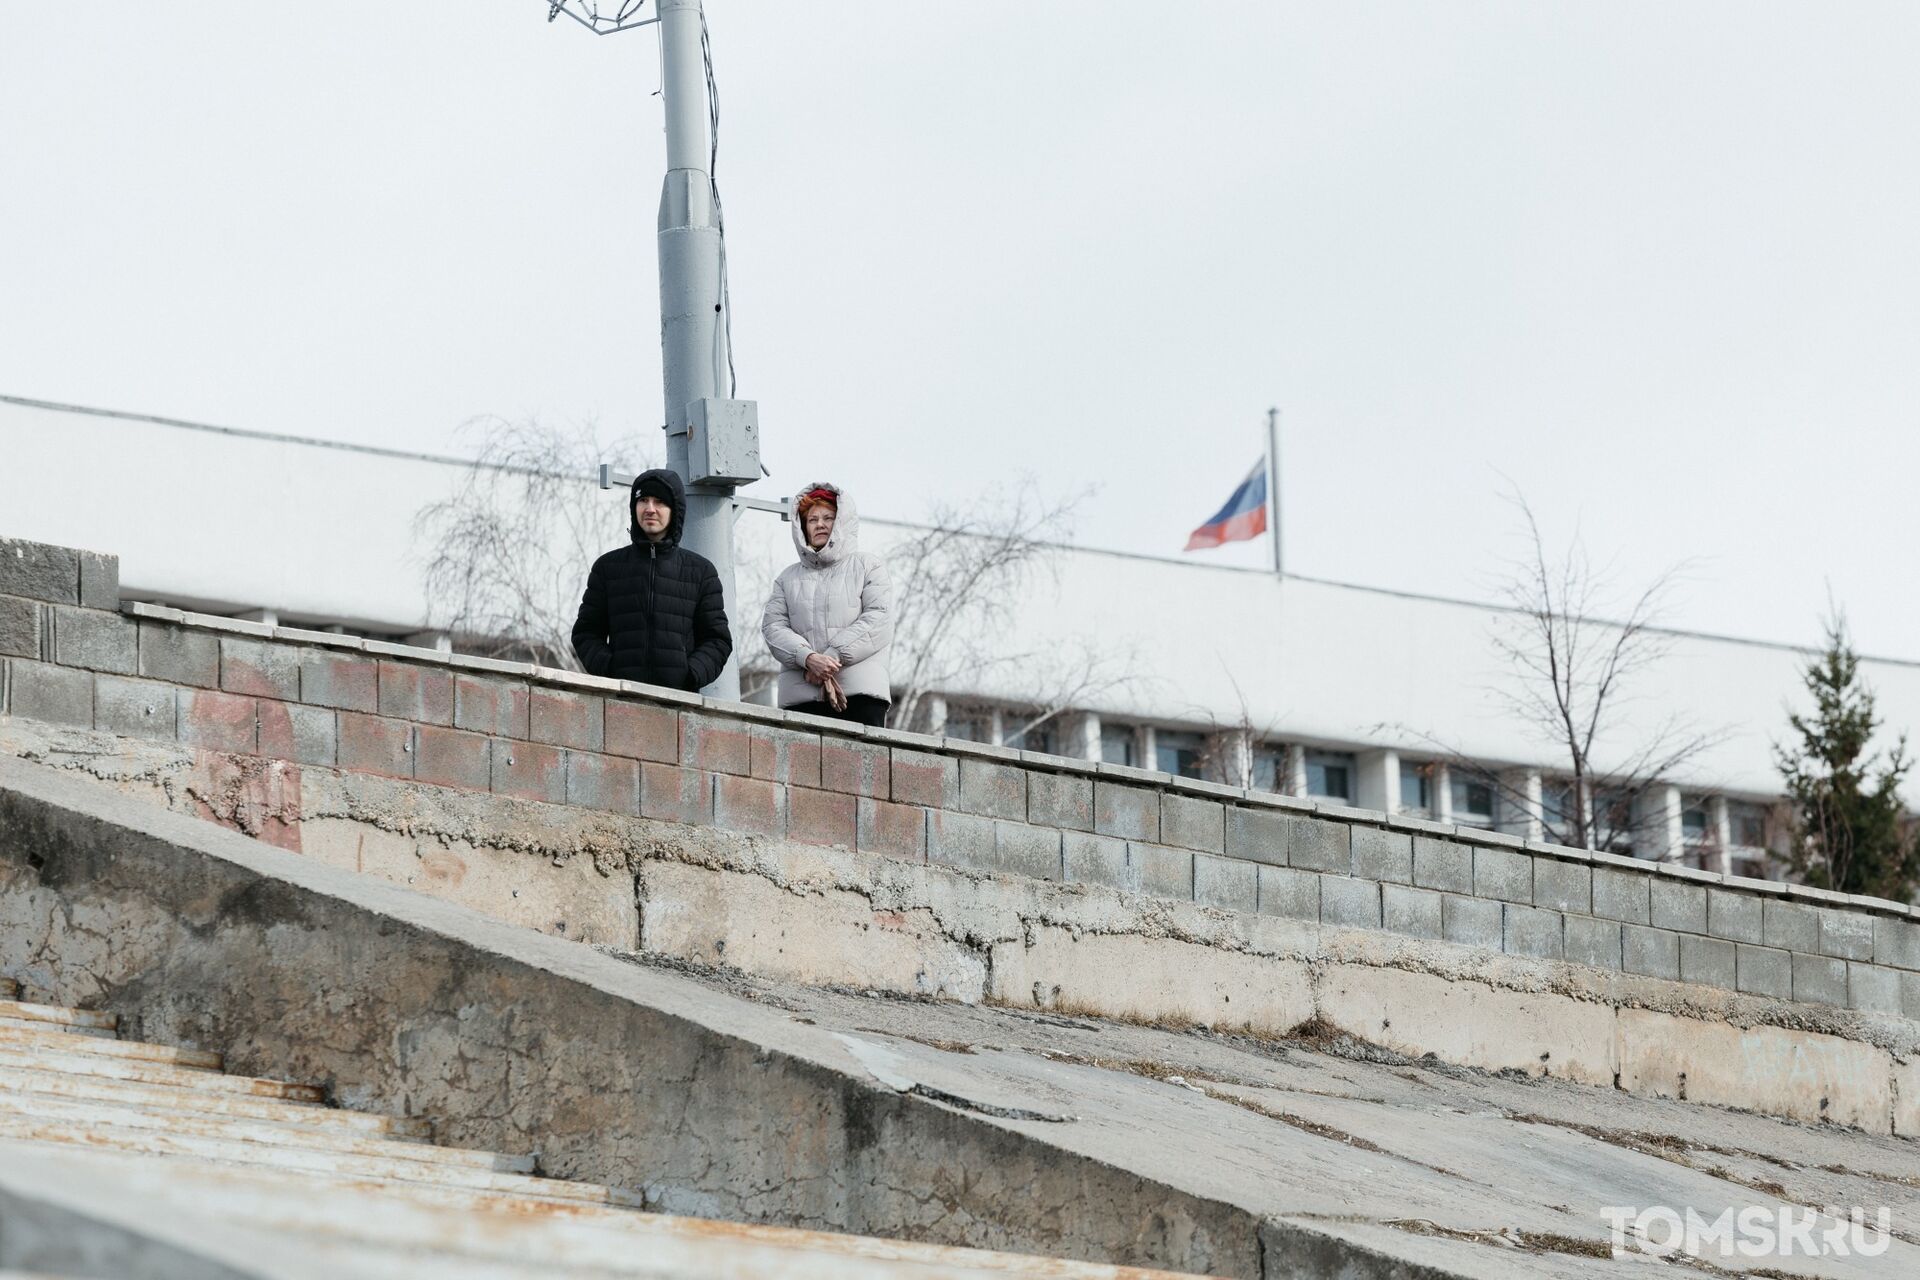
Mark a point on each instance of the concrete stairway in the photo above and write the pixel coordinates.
(198, 1172)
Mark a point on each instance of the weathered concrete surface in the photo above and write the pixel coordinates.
(762, 1100)
(81, 1213)
(824, 915)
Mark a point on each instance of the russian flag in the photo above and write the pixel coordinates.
(1244, 516)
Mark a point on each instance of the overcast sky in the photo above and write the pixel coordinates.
(1656, 263)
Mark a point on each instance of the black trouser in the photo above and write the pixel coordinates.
(862, 708)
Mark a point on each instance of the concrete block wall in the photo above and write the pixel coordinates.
(69, 656)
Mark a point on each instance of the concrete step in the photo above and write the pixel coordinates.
(60, 1015)
(60, 1027)
(322, 1164)
(124, 1050)
(73, 1085)
(92, 1117)
(58, 1055)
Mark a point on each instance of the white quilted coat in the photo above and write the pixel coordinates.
(837, 600)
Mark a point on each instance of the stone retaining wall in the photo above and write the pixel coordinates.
(968, 871)
(319, 699)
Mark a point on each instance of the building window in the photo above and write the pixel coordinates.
(1330, 774)
(1748, 823)
(1181, 754)
(1269, 768)
(1040, 737)
(973, 724)
(1119, 744)
(1416, 787)
(1613, 820)
(1472, 800)
(1696, 824)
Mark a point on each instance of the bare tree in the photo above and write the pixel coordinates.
(1572, 676)
(506, 556)
(959, 582)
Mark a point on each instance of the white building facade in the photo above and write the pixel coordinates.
(1373, 698)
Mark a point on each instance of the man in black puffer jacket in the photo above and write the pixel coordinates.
(653, 612)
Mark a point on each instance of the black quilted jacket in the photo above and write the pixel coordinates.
(653, 611)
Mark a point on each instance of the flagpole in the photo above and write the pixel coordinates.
(1273, 491)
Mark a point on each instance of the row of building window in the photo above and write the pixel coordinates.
(1474, 799)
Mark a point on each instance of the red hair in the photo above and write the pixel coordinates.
(815, 496)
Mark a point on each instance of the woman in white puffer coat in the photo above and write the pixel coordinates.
(829, 620)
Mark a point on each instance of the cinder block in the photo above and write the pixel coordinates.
(409, 691)
(259, 668)
(896, 830)
(1733, 915)
(1442, 864)
(1132, 813)
(55, 695)
(131, 708)
(1763, 971)
(925, 778)
(343, 681)
(566, 718)
(19, 627)
(1096, 859)
(1314, 844)
(1653, 953)
(1063, 800)
(790, 757)
(1473, 922)
(858, 768)
(1791, 926)
(1563, 886)
(307, 735)
(757, 806)
(1872, 988)
(1679, 906)
(39, 571)
(996, 790)
(532, 771)
(709, 743)
(99, 580)
(672, 794)
(451, 758)
(1257, 834)
(498, 708)
(1025, 850)
(1415, 912)
(1290, 892)
(1505, 875)
(648, 731)
(1350, 903)
(821, 817)
(612, 783)
(94, 640)
(217, 721)
(179, 655)
(1165, 872)
(1910, 995)
(1384, 855)
(1226, 882)
(1189, 822)
(1895, 942)
(1819, 980)
(1847, 934)
(1594, 942)
(374, 744)
(960, 839)
(1536, 932)
(1707, 961)
(1619, 894)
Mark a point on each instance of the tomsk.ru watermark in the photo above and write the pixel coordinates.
(1757, 1231)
